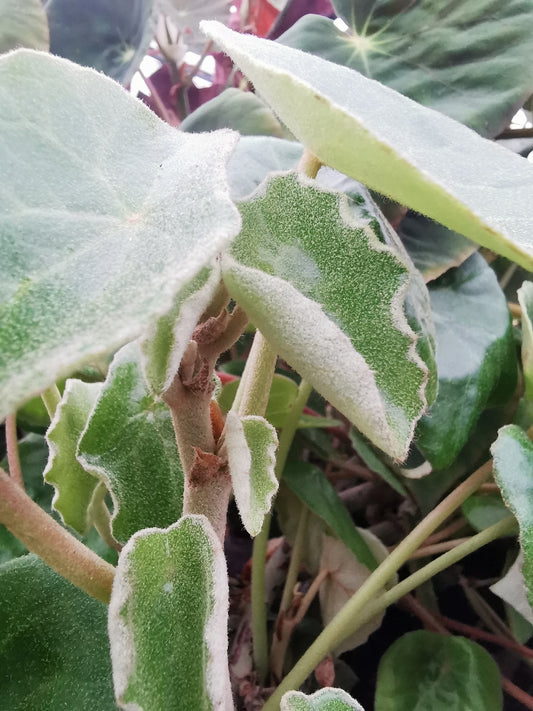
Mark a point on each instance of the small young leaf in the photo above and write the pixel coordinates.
(525, 299)
(24, 24)
(251, 444)
(100, 226)
(475, 354)
(310, 485)
(74, 486)
(129, 444)
(513, 470)
(393, 145)
(312, 273)
(328, 699)
(54, 650)
(168, 620)
(424, 670)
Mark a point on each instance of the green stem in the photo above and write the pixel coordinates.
(336, 631)
(296, 560)
(259, 611)
(51, 398)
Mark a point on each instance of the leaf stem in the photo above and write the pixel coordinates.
(51, 398)
(342, 624)
(296, 561)
(51, 542)
(13, 458)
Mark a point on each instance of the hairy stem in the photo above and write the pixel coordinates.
(13, 458)
(51, 542)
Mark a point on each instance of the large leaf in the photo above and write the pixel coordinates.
(311, 486)
(471, 319)
(23, 23)
(168, 620)
(112, 37)
(328, 699)
(423, 670)
(411, 153)
(310, 270)
(525, 298)
(100, 223)
(240, 110)
(513, 470)
(54, 650)
(129, 443)
(470, 62)
(74, 487)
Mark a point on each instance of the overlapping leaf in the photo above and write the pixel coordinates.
(323, 700)
(54, 650)
(129, 444)
(406, 151)
(168, 620)
(310, 270)
(475, 355)
(99, 223)
(467, 61)
(23, 24)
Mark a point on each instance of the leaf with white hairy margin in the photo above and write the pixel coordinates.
(311, 271)
(168, 620)
(100, 220)
(406, 151)
(251, 444)
(328, 699)
(74, 486)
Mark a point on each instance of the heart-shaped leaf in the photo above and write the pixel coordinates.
(129, 444)
(310, 269)
(469, 62)
(24, 24)
(393, 145)
(74, 486)
(100, 224)
(168, 620)
(513, 470)
(430, 671)
(328, 699)
(471, 319)
(54, 650)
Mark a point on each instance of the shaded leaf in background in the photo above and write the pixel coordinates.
(433, 248)
(100, 226)
(112, 37)
(424, 670)
(129, 444)
(329, 699)
(74, 487)
(475, 356)
(525, 299)
(393, 145)
(484, 510)
(470, 62)
(251, 443)
(310, 485)
(512, 589)
(513, 470)
(373, 462)
(344, 329)
(168, 620)
(240, 110)
(23, 23)
(54, 649)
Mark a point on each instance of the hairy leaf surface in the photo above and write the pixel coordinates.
(413, 154)
(99, 226)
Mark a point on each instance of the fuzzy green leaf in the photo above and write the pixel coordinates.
(251, 444)
(54, 650)
(310, 269)
(74, 486)
(471, 319)
(424, 670)
(168, 620)
(403, 150)
(328, 699)
(23, 23)
(310, 485)
(469, 61)
(129, 444)
(525, 299)
(99, 225)
(513, 470)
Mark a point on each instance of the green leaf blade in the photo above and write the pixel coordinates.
(168, 620)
